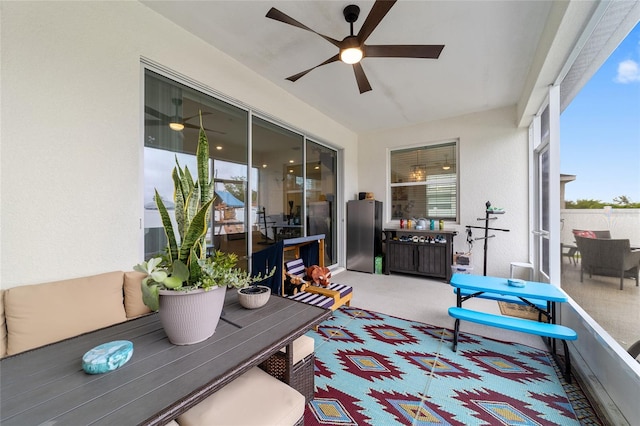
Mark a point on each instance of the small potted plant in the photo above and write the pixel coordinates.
(253, 297)
(184, 285)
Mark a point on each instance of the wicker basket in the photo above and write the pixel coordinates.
(302, 373)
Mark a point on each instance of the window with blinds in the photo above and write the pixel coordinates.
(424, 182)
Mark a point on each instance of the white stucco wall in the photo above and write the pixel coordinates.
(72, 139)
(492, 167)
(622, 223)
(71, 136)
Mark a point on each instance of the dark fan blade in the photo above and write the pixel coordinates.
(282, 17)
(430, 51)
(164, 119)
(378, 11)
(197, 126)
(295, 77)
(197, 115)
(156, 113)
(361, 78)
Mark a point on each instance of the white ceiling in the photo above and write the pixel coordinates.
(489, 49)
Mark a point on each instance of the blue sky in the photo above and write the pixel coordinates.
(600, 129)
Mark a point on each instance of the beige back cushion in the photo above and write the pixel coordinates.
(44, 313)
(133, 304)
(3, 327)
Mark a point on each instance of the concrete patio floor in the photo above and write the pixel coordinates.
(617, 311)
(427, 300)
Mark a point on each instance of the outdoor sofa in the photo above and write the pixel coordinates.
(608, 257)
(36, 315)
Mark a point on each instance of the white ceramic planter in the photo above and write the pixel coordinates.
(254, 296)
(190, 317)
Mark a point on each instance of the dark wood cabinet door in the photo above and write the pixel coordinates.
(401, 257)
(428, 259)
(431, 260)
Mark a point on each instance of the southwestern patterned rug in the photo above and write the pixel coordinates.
(374, 369)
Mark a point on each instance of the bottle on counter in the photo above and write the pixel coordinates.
(441, 224)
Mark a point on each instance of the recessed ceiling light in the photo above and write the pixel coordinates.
(264, 166)
(219, 148)
(291, 161)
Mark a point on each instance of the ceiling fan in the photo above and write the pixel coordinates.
(352, 49)
(174, 122)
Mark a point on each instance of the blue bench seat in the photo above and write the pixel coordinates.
(540, 304)
(553, 331)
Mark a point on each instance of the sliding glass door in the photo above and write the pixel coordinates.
(545, 154)
(320, 196)
(287, 190)
(172, 121)
(277, 155)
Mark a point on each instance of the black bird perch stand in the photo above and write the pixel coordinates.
(488, 212)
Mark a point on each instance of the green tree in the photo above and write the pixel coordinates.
(237, 189)
(620, 202)
(585, 204)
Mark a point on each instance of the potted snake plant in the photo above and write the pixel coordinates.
(185, 285)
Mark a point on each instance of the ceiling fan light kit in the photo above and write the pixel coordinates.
(176, 122)
(352, 49)
(446, 165)
(351, 55)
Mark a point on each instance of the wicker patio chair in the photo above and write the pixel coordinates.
(608, 257)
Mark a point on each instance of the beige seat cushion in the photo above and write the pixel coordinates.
(254, 398)
(44, 313)
(303, 346)
(133, 304)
